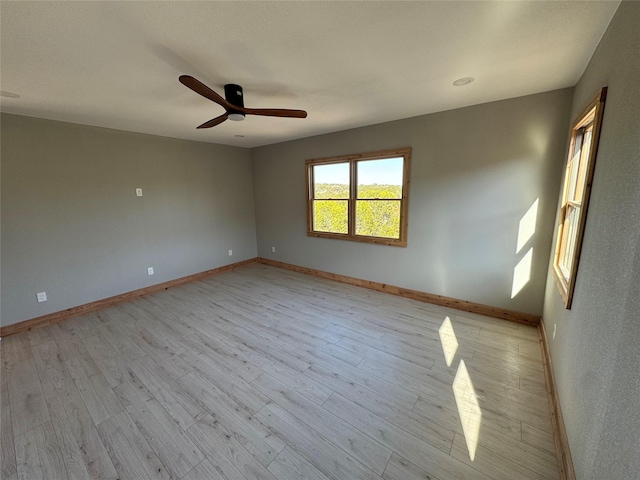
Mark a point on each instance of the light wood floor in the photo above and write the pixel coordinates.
(263, 373)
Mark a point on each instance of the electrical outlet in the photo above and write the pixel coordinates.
(138, 192)
(42, 297)
(230, 252)
(554, 331)
(150, 270)
(273, 249)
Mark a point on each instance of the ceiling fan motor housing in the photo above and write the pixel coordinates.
(233, 94)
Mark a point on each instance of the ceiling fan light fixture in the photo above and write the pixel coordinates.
(463, 81)
(234, 103)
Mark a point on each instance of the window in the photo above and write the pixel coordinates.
(363, 197)
(585, 133)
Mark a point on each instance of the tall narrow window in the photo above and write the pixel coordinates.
(361, 197)
(585, 133)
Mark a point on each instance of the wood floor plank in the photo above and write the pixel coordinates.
(251, 347)
(313, 390)
(356, 331)
(163, 352)
(40, 335)
(28, 406)
(284, 373)
(505, 406)
(495, 466)
(38, 454)
(240, 422)
(70, 411)
(536, 386)
(423, 383)
(180, 405)
(427, 457)
(496, 420)
(205, 470)
(71, 454)
(388, 352)
(82, 326)
(54, 375)
(332, 461)
(371, 453)
(7, 449)
(154, 338)
(96, 393)
(223, 356)
(110, 363)
(538, 438)
(69, 341)
(173, 447)
(331, 371)
(523, 365)
(28, 462)
(530, 457)
(400, 468)
(532, 351)
(120, 342)
(132, 456)
(241, 392)
(289, 465)
(15, 349)
(224, 451)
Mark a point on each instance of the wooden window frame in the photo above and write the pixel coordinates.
(589, 118)
(353, 160)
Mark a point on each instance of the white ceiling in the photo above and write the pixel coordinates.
(349, 64)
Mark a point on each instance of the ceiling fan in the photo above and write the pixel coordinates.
(234, 103)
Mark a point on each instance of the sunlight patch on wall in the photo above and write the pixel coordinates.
(522, 273)
(448, 340)
(527, 226)
(468, 408)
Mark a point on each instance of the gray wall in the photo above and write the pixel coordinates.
(596, 353)
(72, 225)
(475, 173)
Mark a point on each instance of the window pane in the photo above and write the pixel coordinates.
(378, 218)
(331, 181)
(380, 178)
(330, 216)
(574, 165)
(570, 231)
(584, 160)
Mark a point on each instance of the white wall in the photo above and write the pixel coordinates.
(596, 353)
(72, 225)
(475, 173)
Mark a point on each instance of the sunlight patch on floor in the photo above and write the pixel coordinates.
(448, 340)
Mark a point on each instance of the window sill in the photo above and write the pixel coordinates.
(393, 242)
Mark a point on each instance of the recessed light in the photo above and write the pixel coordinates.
(463, 81)
(9, 94)
(239, 136)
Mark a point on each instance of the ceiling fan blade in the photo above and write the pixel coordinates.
(200, 88)
(215, 121)
(274, 112)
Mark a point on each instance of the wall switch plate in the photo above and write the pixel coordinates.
(273, 249)
(138, 192)
(150, 270)
(42, 297)
(230, 252)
